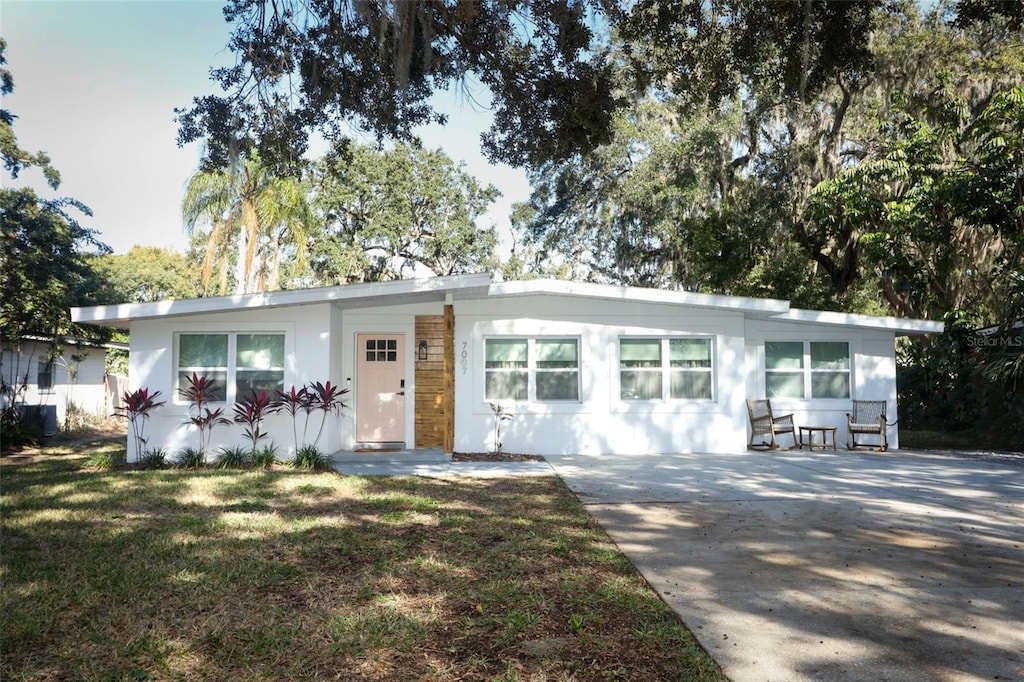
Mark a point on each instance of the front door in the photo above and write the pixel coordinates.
(380, 388)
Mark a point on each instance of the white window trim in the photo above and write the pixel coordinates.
(532, 370)
(806, 369)
(48, 369)
(231, 378)
(666, 368)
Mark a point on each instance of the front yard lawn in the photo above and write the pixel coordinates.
(283, 574)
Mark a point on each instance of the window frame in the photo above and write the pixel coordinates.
(532, 369)
(45, 369)
(807, 370)
(231, 369)
(665, 369)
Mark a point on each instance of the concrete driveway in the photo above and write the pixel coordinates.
(849, 566)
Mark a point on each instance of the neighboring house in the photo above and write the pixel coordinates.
(585, 368)
(74, 377)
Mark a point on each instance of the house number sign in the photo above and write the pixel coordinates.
(465, 357)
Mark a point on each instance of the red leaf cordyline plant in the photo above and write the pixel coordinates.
(314, 397)
(293, 402)
(200, 391)
(251, 412)
(136, 409)
(325, 398)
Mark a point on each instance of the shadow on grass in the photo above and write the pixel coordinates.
(223, 574)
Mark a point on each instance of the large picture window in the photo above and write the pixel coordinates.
(237, 362)
(801, 369)
(524, 369)
(665, 369)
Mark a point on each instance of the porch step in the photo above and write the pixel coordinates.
(401, 456)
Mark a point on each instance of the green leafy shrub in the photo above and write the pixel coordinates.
(155, 458)
(102, 460)
(309, 457)
(946, 385)
(19, 429)
(235, 457)
(191, 458)
(265, 457)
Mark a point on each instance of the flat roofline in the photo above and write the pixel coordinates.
(481, 286)
(626, 293)
(902, 326)
(432, 288)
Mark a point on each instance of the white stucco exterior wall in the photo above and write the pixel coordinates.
(153, 364)
(321, 346)
(873, 373)
(600, 422)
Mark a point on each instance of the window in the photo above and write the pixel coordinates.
(259, 364)
(381, 350)
(557, 369)
(644, 373)
(239, 363)
(44, 376)
(830, 369)
(784, 369)
(798, 369)
(531, 369)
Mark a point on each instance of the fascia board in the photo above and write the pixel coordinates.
(899, 325)
(397, 290)
(761, 306)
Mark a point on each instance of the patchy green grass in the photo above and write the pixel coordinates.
(287, 574)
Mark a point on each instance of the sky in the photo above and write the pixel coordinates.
(96, 83)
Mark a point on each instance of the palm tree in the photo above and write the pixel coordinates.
(251, 216)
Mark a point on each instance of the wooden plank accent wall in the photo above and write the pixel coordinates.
(430, 382)
(449, 378)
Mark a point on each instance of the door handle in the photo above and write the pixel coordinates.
(400, 393)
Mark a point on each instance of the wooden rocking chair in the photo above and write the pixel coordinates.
(867, 418)
(764, 423)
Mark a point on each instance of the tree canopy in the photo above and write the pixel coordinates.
(364, 214)
(245, 214)
(553, 73)
(742, 195)
(400, 212)
(147, 274)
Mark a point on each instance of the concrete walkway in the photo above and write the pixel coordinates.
(431, 463)
(849, 566)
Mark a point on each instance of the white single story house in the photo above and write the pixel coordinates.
(584, 368)
(54, 376)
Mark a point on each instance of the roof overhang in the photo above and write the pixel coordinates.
(756, 306)
(347, 295)
(898, 325)
(481, 286)
(73, 341)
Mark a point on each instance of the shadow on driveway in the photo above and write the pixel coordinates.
(847, 566)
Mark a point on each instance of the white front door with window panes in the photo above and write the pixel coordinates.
(380, 388)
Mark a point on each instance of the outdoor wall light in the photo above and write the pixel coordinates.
(423, 349)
